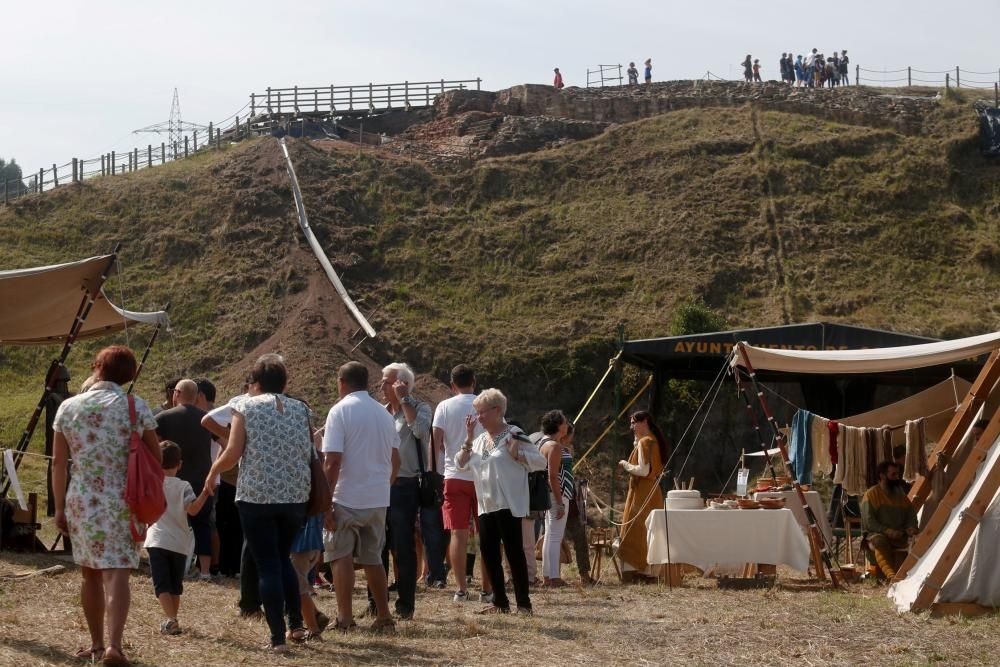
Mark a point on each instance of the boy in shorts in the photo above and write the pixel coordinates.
(169, 541)
(306, 553)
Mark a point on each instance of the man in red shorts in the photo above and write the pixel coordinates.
(459, 492)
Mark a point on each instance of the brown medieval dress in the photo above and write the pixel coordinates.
(643, 497)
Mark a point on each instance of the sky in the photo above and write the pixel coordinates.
(86, 74)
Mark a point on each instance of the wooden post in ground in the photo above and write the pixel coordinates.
(218, 137)
(114, 163)
(269, 99)
(857, 75)
(41, 180)
(427, 93)
(958, 77)
(185, 146)
(163, 152)
(947, 81)
(253, 105)
(196, 141)
(149, 155)
(909, 76)
(55, 176)
(104, 169)
(316, 99)
(209, 135)
(135, 159)
(75, 167)
(479, 81)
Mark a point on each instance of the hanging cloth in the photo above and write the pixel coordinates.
(872, 447)
(800, 455)
(916, 450)
(853, 460)
(834, 428)
(8, 460)
(820, 439)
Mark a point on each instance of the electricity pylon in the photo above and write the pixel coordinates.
(174, 128)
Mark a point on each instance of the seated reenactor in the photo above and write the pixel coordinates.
(888, 517)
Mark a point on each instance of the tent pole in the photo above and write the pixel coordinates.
(816, 537)
(50, 378)
(615, 444)
(145, 354)
(753, 419)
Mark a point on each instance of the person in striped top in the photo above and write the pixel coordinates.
(560, 468)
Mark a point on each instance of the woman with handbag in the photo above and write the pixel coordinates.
(500, 459)
(96, 427)
(270, 432)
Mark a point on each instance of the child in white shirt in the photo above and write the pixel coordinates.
(169, 541)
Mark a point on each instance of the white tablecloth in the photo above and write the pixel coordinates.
(707, 538)
(792, 502)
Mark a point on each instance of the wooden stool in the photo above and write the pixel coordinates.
(602, 540)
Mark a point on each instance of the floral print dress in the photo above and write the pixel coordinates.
(96, 427)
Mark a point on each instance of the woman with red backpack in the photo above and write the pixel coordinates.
(94, 429)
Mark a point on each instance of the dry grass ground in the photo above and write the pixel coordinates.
(41, 624)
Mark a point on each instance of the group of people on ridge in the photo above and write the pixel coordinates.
(812, 71)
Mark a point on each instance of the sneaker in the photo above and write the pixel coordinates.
(170, 626)
(461, 596)
(205, 578)
(440, 585)
(486, 598)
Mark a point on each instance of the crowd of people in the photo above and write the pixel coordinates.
(237, 478)
(815, 70)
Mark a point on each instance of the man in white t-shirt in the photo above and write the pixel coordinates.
(459, 491)
(361, 459)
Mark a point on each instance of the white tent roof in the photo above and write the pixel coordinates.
(878, 360)
(40, 304)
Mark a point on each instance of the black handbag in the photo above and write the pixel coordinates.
(539, 498)
(430, 482)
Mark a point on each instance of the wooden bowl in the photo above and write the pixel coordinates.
(748, 504)
(772, 503)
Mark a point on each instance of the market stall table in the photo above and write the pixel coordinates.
(726, 538)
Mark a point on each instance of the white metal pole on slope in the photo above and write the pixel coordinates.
(318, 249)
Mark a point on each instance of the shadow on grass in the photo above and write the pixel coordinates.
(42, 653)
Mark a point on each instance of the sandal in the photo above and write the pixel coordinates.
(314, 636)
(297, 635)
(119, 660)
(92, 654)
(344, 627)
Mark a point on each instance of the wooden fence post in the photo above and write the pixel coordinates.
(195, 141)
(269, 99)
(149, 155)
(350, 98)
(316, 99)
(114, 161)
(909, 76)
(333, 107)
(218, 138)
(442, 85)
(55, 176)
(186, 144)
(295, 98)
(163, 152)
(41, 180)
(210, 133)
(947, 81)
(174, 153)
(74, 170)
(135, 159)
(857, 75)
(103, 168)
(427, 92)
(406, 95)
(479, 80)
(958, 78)
(253, 105)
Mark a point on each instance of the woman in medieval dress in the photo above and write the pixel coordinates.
(643, 466)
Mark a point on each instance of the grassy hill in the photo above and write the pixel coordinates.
(524, 265)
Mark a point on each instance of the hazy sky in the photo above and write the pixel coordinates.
(82, 75)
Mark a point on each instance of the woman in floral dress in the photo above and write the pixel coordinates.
(93, 429)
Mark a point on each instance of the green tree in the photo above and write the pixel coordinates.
(10, 173)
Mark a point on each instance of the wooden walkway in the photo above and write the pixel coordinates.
(361, 100)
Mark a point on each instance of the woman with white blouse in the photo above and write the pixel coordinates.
(500, 459)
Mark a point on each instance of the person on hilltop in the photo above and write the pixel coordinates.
(800, 72)
(644, 465)
(412, 418)
(647, 73)
(557, 81)
(361, 459)
(500, 459)
(459, 490)
(888, 516)
(182, 424)
(748, 68)
(844, 75)
(756, 70)
(95, 427)
(783, 67)
(633, 75)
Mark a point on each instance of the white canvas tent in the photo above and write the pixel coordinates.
(971, 578)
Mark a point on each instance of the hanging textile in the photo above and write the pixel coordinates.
(872, 437)
(820, 439)
(916, 450)
(834, 428)
(8, 460)
(853, 466)
(800, 454)
(885, 443)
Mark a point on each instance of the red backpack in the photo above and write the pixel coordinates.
(144, 483)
